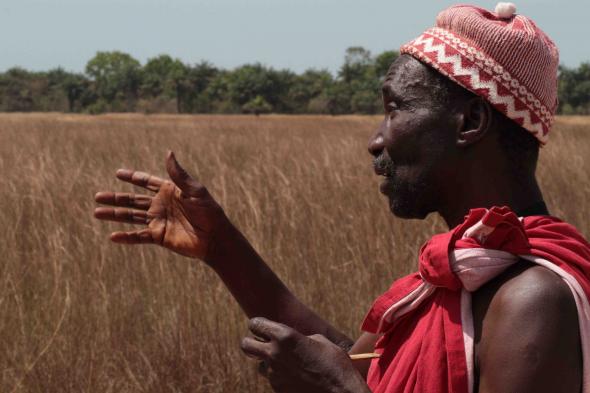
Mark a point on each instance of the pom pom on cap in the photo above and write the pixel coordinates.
(505, 10)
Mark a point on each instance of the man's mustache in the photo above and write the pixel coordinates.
(383, 164)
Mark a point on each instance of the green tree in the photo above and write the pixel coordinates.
(306, 89)
(338, 98)
(574, 90)
(357, 89)
(357, 64)
(117, 77)
(16, 93)
(163, 77)
(257, 106)
(247, 82)
(73, 86)
(196, 91)
(580, 94)
(365, 101)
(383, 61)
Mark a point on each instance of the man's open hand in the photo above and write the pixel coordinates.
(295, 363)
(182, 216)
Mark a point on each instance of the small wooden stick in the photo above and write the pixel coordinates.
(360, 356)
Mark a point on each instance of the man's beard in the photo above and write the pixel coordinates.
(407, 196)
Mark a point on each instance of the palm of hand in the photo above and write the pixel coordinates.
(182, 216)
(182, 223)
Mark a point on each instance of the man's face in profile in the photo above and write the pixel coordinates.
(414, 143)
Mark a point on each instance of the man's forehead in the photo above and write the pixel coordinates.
(407, 74)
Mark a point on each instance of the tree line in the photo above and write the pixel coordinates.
(116, 82)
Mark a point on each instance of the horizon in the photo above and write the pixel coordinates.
(59, 33)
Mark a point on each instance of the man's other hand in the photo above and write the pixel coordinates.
(181, 216)
(293, 362)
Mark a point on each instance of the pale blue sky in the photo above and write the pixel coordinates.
(294, 34)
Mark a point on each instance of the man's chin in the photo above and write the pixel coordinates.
(405, 209)
(405, 199)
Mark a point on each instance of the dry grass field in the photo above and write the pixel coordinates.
(79, 314)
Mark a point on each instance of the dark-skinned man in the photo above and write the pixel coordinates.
(500, 302)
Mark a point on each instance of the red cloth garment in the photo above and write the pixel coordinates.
(426, 319)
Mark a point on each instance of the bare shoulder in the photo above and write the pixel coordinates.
(532, 288)
(526, 319)
(525, 293)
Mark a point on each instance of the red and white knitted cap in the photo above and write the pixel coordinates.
(501, 56)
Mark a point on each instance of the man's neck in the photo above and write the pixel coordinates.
(524, 197)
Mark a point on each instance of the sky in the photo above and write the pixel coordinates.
(293, 34)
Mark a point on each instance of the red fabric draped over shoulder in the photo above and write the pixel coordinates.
(424, 350)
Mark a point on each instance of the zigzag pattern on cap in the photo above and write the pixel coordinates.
(471, 68)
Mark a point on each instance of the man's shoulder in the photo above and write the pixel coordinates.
(527, 318)
(523, 289)
(532, 286)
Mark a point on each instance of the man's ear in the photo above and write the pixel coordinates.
(475, 121)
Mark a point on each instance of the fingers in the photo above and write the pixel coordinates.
(133, 237)
(255, 348)
(142, 179)
(120, 214)
(268, 336)
(124, 199)
(272, 331)
(182, 179)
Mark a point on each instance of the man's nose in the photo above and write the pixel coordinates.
(377, 142)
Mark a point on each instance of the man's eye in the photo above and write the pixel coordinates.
(392, 106)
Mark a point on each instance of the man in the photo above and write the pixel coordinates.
(500, 303)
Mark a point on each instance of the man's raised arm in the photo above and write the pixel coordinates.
(183, 217)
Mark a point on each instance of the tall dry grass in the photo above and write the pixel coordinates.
(79, 314)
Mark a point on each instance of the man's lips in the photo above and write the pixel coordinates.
(384, 166)
(386, 186)
(381, 171)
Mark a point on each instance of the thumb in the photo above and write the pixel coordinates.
(182, 179)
